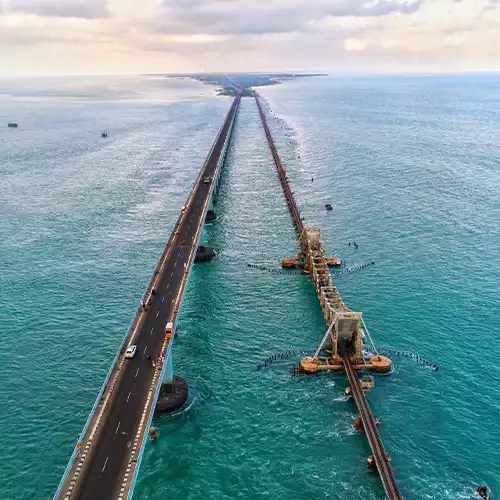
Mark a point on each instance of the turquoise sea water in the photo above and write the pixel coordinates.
(412, 169)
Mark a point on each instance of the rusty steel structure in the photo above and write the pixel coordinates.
(344, 339)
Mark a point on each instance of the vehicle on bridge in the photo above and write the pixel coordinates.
(169, 329)
(206, 179)
(130, 352)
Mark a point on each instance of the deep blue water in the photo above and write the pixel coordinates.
(412, 169)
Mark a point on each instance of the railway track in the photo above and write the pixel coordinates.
(369, 424)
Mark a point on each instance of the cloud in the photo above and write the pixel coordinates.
(11, 36)
(85, 9)
(239, 17)
(274, 35)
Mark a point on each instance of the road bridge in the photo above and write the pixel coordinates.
(343, 342)
(106, 459)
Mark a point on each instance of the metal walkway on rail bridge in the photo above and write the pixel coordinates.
(106, 459)
(343, 343)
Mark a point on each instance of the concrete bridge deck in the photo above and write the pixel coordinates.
(105, 462)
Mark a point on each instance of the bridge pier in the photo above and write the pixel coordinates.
(216, 187)
(211, 216)
(204, 254)
(173, 391)
(168, 374)
(172, 396)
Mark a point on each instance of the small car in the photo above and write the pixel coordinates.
(130, 352)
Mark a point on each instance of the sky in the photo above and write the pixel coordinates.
(65, 37)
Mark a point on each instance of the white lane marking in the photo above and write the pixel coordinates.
(158, 313)
(144, 352)
(151, 330)
(136, 373)
(168, 284)
(128, 396)
(118, 426)
(104, 466)
(163, 298)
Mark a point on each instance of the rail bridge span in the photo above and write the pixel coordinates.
(345, 335)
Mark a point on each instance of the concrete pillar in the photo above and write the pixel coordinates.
(215, 192)
(211, 216)
(204, 254)
(168, 373)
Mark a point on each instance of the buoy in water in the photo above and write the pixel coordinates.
(483, 492)
(153, 434)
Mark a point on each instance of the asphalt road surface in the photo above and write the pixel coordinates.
(103, 473)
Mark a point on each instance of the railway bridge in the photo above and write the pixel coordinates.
(343, 344)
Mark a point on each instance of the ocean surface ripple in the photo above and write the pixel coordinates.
(411, 168)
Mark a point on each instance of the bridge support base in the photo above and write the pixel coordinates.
(204, 254)
(172, 396)
(211, 216)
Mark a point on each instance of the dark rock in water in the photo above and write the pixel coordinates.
(204, 254)
(172, 396)
(328, 206)
(211, 216)
(483, 492)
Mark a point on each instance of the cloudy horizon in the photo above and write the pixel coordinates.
(59, 37)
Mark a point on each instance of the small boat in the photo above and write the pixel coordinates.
(12, 125)
(104, 135)
(328, 206)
